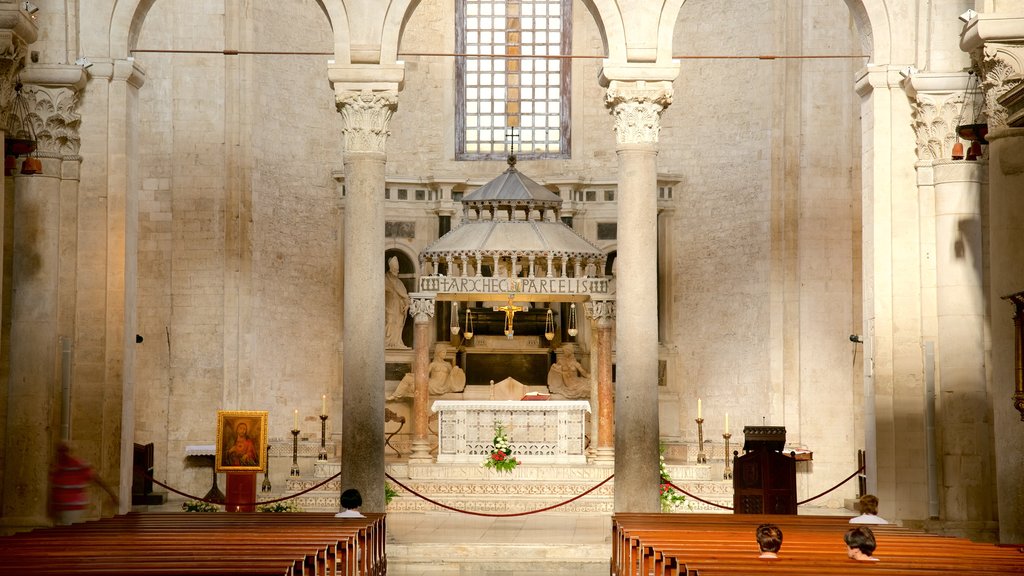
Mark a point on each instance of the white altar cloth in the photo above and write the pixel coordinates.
(539, 431)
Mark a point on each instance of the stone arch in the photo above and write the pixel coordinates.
(129, 15)
(872, 20)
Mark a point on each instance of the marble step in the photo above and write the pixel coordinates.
(524, 489)
(494, 558)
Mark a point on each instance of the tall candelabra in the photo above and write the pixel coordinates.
(702, 457)
(323, 438)
(727, 475)
(295, 454)
(266, 487)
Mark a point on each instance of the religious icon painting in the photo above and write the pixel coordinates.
(241, 441)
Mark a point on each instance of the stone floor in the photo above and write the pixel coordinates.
(449, 544)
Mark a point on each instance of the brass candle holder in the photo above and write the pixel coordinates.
(323, 438)
(727, 475)
(295, 454)
(702, 457)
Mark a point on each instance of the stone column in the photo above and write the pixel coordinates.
(962, 392)
(43, 274)
(602, 312)
(422, 311)
(23, 466)
(892, 291)
(996, 45)
(939, 103)
(366, 115)
(637, 108)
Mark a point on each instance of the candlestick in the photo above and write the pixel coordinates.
(727, 475)
(699, 415)
(702, 457)
(323, 404)
(267, 487)
(296, 425)
(323, 438)
(295, 449)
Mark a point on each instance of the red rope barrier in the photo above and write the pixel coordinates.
(800, 503)
(848, 478)
(495, 515)
(258, 503)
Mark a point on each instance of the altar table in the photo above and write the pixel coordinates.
(539, 432)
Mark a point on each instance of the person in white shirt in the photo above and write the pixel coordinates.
(868, 511)
(351, 500)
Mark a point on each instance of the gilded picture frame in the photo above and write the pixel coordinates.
(241, 441)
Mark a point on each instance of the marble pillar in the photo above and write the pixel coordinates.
(366, 115)
(422, 312)
(602, 312)
(637, 108)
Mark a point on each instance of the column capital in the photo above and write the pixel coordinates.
(366, 115)
(601, 310)
(421, 307)
(51, 118)
(637, 107)
(937, 102)
(17, 31)
(996, 46)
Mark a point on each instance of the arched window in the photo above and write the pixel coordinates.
(512, 84)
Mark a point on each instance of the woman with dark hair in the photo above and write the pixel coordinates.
(860, 544)
(769, 540)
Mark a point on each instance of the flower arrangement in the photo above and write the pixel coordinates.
(198, 506)
(501, 458)
(670, 499)
(389, 493)
(278, 507)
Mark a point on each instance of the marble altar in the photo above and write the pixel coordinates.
(540, 431)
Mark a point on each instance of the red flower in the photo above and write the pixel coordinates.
(498, 456)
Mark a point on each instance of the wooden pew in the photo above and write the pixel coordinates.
(259, 544)
(712, 545)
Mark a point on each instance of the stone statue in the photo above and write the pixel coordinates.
(396, 307)
(567, 377)
(444, 377)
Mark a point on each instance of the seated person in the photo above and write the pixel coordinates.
(769, 540)
(868, 511)
(351, 500)
(860, 544)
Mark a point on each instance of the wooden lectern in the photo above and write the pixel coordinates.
(241, 496)
(764, 479)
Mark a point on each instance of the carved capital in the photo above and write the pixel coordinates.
(935, 120)
(999, 67)
(366, 115)
(421, 309)
(12, 61)
(50, 117)
(601, 311)
(637, 107)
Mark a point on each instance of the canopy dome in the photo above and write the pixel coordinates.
(512, 226)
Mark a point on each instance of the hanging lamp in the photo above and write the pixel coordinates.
(454, 324)
(468, 334)
(20, 145)
(974, 132)
(572, 329)
(549, 325)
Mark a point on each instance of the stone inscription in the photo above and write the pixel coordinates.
(495, 285)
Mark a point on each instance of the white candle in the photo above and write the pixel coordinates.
(323, 404)
(698, 409)
(296, 426)
(726, 422)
